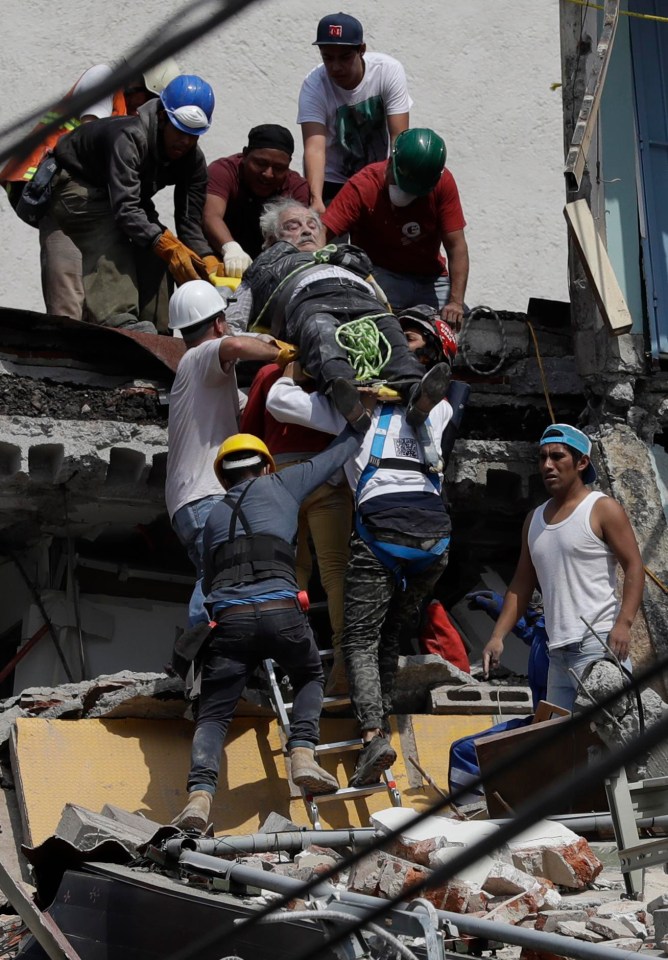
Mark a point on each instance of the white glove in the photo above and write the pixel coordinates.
(235, 258)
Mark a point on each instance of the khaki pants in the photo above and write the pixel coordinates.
(60, 262)
(124, 284)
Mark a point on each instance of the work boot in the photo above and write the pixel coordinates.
(195, 814)
(429, 391)
(346, 399)
(375, 757)
(306, 773)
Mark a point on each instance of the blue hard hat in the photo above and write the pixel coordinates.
(189, 101)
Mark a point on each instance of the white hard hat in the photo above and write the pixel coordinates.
(156, 78)
(194, 302)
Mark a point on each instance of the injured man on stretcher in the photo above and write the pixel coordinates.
(323, 300)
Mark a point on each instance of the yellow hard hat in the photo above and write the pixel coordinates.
(242, 443)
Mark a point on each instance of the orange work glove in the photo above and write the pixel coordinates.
(287, 352)
(180, 259)
(212, 265)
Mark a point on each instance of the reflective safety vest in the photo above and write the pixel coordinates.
(15, 171)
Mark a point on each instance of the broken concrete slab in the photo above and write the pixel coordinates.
(277, 823)
(579, 930)
(609, 928)
(621, 723)
(548, 922)
(143, 696)
(505, 880)
(417, 674)
(85, 829)
(518, 908)
(624, 944)
(551, 850)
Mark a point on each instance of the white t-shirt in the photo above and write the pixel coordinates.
(356, 120)
(288, 403)
(203, 411)
(93, 76)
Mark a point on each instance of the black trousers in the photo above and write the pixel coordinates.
(241, 642)
(311, 319)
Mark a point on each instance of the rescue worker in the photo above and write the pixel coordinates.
(325, 518)
(203, 410)
(60, 260)
(252, 595)
(303, 293)
(400, 211)
(239, 187)
(400, 544)
(109, 171)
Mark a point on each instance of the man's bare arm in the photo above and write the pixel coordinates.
(515, 602)
(457, 252)
(617, 532)
(396, 124)
(246, 348)
(215, 228)
(315, 140)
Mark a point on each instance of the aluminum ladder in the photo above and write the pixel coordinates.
(283, 710)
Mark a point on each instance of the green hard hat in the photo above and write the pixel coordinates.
(418, 159)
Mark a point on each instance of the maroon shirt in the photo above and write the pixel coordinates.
(242, 214)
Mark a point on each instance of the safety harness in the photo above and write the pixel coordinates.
(253, 557)
(402, 560)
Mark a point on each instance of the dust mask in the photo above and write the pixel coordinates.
(399, 197)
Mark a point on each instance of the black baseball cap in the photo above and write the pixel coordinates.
(339, 28)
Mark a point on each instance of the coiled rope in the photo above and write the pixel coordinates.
(368, 348)
(464, 347)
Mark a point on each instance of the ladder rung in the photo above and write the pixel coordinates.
(349, 793)
(326, 702)
(339, 746)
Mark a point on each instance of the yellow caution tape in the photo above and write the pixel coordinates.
(622, 13)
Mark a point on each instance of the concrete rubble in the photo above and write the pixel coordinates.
(119, 695)
(620, 723)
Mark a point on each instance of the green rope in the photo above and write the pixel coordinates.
(368, 348)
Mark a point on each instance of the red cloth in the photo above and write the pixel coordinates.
(279, 437)
(440, 636)
(403, 239)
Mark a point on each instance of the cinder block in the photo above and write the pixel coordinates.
(125, 466)
(480, 698)
(10, 459)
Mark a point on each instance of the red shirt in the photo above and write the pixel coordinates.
(403, 239)
(279, 437)
(242, 213)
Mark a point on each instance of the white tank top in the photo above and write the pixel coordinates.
(577, 574)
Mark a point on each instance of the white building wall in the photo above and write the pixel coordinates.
(480, 73)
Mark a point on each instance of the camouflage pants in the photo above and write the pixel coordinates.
(377, 613)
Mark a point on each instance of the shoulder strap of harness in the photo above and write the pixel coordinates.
(378, 462)
(238, 514)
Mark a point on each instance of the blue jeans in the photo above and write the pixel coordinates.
(188, 524)
(561, 686)
(407, 290)
(240, 643)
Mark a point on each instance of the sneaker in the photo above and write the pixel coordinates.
(430, 391)
(375, 757)
(347, 401)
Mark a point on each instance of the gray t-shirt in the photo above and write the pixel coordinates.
(271, 506)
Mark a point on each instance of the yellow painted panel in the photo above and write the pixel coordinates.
(142, 765)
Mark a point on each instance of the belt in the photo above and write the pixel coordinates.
(324, 282)
(264, 606)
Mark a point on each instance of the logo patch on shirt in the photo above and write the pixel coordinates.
(411, 229)
(406, 447)
(335, 30)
